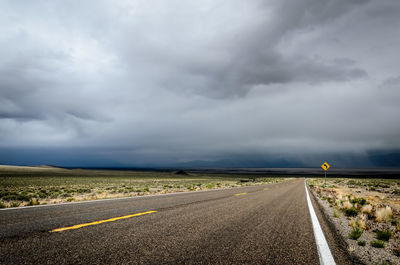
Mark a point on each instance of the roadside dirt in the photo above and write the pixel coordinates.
(352, 208)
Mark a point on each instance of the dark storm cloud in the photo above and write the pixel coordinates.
(153, 82)
(264, 69)
(236, 61)
(256, 59)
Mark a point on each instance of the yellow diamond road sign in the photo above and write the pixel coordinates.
(325, 166)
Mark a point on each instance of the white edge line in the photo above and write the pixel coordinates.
(122, 198)
(324, 253)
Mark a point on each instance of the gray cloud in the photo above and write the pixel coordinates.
(238, 60)
(149, 81)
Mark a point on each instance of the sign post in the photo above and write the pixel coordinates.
(325, 166)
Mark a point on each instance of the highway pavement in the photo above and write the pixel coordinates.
(263, 224)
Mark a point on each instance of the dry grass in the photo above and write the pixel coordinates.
(21, 186)
(369, 196)
(347, 205)
(384, 214)
(359, 221)
(367, 209)
(370, 205)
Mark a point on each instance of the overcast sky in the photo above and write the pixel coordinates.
(164, 82)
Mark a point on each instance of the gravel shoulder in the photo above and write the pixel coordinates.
(359, 254)
(336, 242)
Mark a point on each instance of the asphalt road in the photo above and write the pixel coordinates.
(266, 224)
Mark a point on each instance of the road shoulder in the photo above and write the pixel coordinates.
(337, 245)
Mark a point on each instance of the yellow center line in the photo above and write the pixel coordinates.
(265, 188)
(241, 194)
(101, 221)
